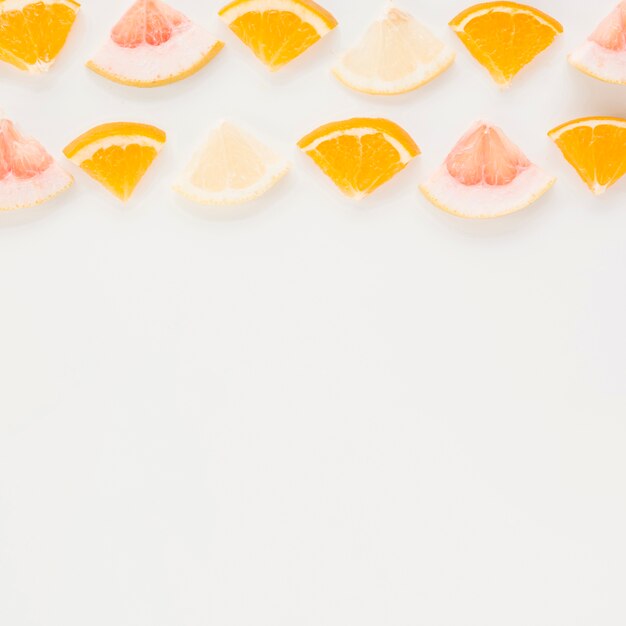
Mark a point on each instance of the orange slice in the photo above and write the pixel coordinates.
(361, 154)
(486, 175)
(603, 55)
(153, 45)
(397, 54)
(232, 167)
(278, 31)
(595, 147)
(505, 36)
(117, 155)
(33, 32)
(28, 174)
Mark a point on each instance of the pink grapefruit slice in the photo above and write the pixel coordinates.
(603, 55)
(152, 45)
(28, 174)
(486, 175)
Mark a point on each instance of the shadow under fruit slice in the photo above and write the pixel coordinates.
(603, 55)
(117, 155)
(33, 33)
(28, 174)
(505, 36)
(232, 167)
(595, 147)
(360, 154)
(397, 54)
(152, 45)
(278, 31)
(486, 175)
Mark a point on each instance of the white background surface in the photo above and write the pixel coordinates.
(318, 413)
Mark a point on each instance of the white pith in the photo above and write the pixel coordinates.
(275, 168)
(16, 193)
(261, 6)
(116, 140)
(598, 189)
(482, 200)
(511, 10)
(405, 155)
(608, 65)
(147, 64)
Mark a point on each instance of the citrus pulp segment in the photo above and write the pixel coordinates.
(596, 148)
(232, 167)
(33, 32)
(153, 44)
(360, 154)
(397, 54)
(486, 175)
(505, 36)
(117, 155)
(603, 55)
(28, 174)
(278, 31)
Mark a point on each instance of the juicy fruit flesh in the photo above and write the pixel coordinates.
(611, 33)
(150, 22)
(275, 37)
(505, 41)
(596, 150)
(34, 34)
(120, 169)
(23, 157)
(358, 165)
(486, 156)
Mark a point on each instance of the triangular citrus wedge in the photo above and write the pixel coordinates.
(603, 55)
(397, 54)
(28, 174)
(117, 155)
(278, 31)
(505, 36)
(360, 154)
(32, 33)
(486, 175)
(152, 45)
(596, 148)
(232, 167)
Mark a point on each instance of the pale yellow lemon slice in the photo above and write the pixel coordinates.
(397, 54)
(232, 167)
